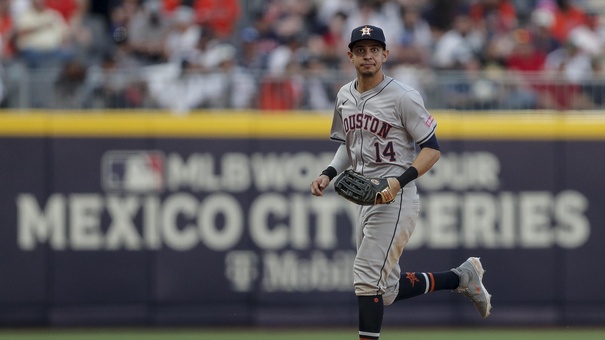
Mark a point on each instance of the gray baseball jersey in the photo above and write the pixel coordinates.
(381, 128)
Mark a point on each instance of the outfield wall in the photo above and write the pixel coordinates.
(151, 219)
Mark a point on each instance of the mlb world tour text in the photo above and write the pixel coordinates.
(217, 201)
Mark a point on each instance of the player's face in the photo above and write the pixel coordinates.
(368, 57)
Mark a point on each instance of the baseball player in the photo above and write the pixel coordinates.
(379, 121)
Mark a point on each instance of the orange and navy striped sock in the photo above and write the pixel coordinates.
(418, 283)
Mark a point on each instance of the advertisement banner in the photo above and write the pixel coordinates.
(208, 230)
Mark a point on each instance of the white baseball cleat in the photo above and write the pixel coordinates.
(471, 285)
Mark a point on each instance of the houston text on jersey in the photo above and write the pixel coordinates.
(367, 122)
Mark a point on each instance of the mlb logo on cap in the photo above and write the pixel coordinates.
(368, 32)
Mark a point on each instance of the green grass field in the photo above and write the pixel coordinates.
(300, 334)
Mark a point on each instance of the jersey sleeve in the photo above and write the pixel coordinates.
(417, 121)
(337, 132)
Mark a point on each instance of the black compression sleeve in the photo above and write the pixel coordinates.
(409, 175)
(330, 172)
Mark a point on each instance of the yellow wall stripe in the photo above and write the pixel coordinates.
(305, 125)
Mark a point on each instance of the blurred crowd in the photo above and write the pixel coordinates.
(291, 54)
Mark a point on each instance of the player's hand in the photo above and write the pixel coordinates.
(319, 184)
(394, 188)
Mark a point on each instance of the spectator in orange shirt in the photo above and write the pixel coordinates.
(221, 16)
(171, 5)
(567, 16)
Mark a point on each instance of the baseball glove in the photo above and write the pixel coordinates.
(363, 190)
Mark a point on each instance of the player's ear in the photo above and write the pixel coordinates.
(385, 55)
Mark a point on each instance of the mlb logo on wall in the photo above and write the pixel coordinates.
(133, 171)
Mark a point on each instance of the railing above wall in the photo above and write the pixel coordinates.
(169, 86)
